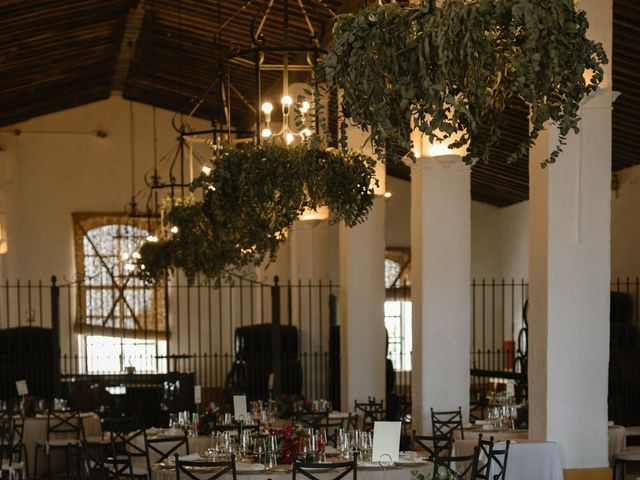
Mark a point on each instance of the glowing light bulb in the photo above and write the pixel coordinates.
(304, 108)
(174, 229)
(387, 194)
(288, 137)
(125, 256)
(142, 267)
(286, 101)
(136, 255)
(305, 133)
(206, 170)
(129, 267)
(267, 108)
(212, 188)
(266, 133)
(151, 239)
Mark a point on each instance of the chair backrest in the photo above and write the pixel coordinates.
(372, 412)
(332, 427)
(64, 423)
(458, 466)
(308, 469)
(116, 468)
(485, 458)
(434, 445)
(126, 436)
(499, 461)
(217, 469)
(164, 447)
(446, 423)
(316, 420)
(352, 421)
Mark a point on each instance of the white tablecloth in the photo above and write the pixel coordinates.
(379, 474)
(527, 460)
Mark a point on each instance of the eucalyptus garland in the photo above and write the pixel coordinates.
(250, 196)
(454, 70)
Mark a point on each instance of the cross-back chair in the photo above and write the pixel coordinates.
(64, 429)
(217, 469)
(127, 437)
(372, 412)
(458, 466)
(499, 457)
(117, 468)
(447, 422)
(433, 445)
(164, 447)
(315, 420)
(309, 470)
(485, 458)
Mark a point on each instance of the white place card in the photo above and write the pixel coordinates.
(240, 407)
(386, 442)
(197, 394)
(21, 386)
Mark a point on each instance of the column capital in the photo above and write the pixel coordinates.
(442, 162)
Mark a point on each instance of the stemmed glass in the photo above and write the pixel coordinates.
(245, 444)
(343, 443)
(365, 444)
(259, 448)
(322, 444)
(272, 449)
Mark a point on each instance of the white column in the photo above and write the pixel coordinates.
(569, 275)
(440, 286)
(362, 294)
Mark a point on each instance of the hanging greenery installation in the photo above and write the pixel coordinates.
(453, 70)
(250, 197)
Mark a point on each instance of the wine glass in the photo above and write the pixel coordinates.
(259, 448)
(245, 444)
(342, 443)
(322, 444)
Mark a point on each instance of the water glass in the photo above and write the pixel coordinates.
(259, 448)
(342, 443)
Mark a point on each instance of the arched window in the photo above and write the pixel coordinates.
(120, 320)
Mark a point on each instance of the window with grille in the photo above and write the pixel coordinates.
(119, 318)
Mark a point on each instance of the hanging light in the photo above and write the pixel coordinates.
(265, 57)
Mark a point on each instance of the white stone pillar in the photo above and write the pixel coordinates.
(569, 275)
(362, 294)
(440, 286)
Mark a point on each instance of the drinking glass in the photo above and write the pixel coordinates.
(259, 448)
(322, 444)
(342, 443)
(244, 445)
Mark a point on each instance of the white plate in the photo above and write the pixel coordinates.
(249, 467)
(374, 465)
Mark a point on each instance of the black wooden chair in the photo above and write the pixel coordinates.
(372, 412)
(217, 469)
(457, 466)
(126, 436)
(446, 423)
(485, 458)
(309, 469)
(117, 468)
(164, 447)
(64, 429)
(499, 461)
(14, 452)
(315, 420)
(433, 445)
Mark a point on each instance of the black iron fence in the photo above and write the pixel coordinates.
(214, 334)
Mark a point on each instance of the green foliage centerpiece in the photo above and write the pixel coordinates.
(453, 70)
(250, 196)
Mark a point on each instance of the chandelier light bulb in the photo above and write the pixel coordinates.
(129, 267)
(305, 133)
(304, 108)
(174, 229)
(150, 239)
(266, 133)
(206, 170)
(387, 194)
(286, 101)
(125, 256)
(289, 138)
(267, 108)
(136, 255)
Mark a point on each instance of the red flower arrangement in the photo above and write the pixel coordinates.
(289, 439)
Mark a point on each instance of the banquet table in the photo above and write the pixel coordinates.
(282, 472)
(35, 430)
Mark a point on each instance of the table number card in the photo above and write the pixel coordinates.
(386, 441)
(240, 407)
(21, 386)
